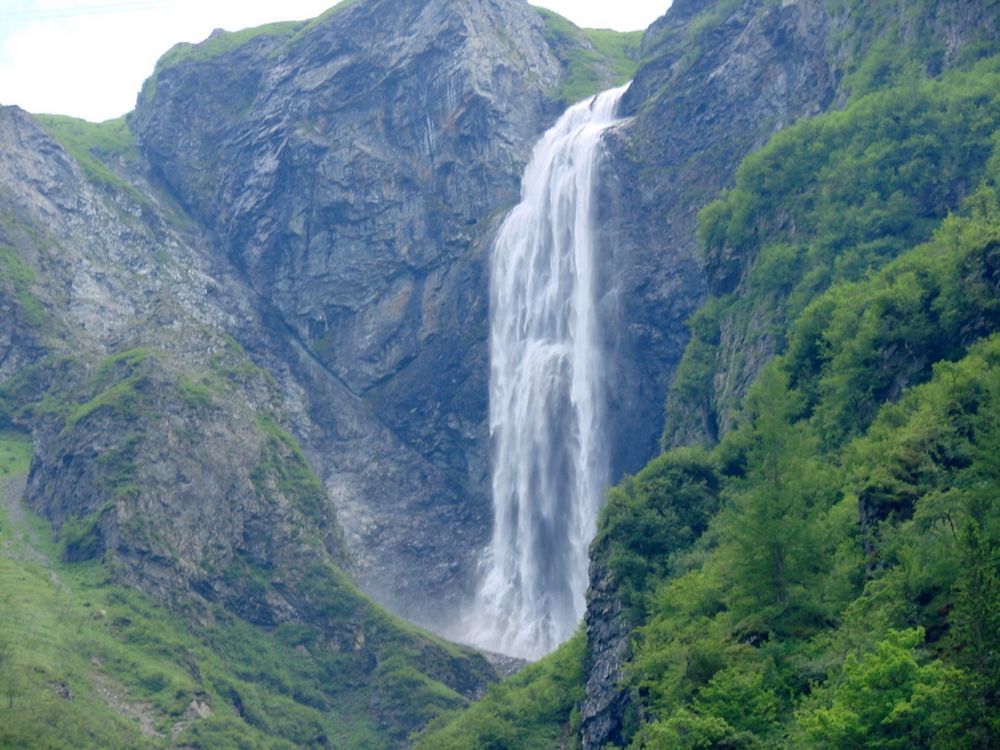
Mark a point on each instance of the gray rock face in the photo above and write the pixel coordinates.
(351, 171)
(698, 106)
(325, 194)
(605, 707)
(150, 423)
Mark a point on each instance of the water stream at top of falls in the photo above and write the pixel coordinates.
(550, 463)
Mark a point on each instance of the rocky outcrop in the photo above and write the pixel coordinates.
(606, 707)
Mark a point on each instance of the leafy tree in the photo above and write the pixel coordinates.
(652, 517)
(776, 553)
(884, 700)
(976, 616)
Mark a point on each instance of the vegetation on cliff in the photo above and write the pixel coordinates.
(825, 572)
(829, 199)
(267, 642)
(594, 59)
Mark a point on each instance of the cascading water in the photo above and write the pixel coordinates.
(550, 467)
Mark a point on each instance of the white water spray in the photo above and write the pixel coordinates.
(550, 465)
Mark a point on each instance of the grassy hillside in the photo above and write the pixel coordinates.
(86, 663)
(90, 663)
(533, 710)
(94, 146)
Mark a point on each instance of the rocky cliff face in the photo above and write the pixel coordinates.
(352, 170)
(160, 446)
(700, 102)
(163, 456)
(299, 231)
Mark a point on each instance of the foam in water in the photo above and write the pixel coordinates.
(550, 465)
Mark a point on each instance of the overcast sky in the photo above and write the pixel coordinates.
(88, 58)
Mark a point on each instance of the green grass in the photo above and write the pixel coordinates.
(15, 453)
(84, 662)
(533, 710)
(594, 59)
(48, 636)
(129, 358)
(226, 41)
(114, 390)
(323, 17)
(91, 144)
(619, 49)
(122, 397)
(196, 392)
(110, 138)
(284, 466)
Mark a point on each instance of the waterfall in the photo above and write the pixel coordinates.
(550, 465)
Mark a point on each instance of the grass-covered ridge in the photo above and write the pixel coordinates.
(93, 144)
(222, 42)
(594, 59)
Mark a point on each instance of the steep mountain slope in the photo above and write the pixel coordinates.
(352, 173)
(88, 663)
(729, 583)
(852, 50)
(168, 463)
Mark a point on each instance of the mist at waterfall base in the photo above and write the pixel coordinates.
(547, 383)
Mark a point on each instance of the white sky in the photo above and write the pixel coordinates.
(88, 58)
